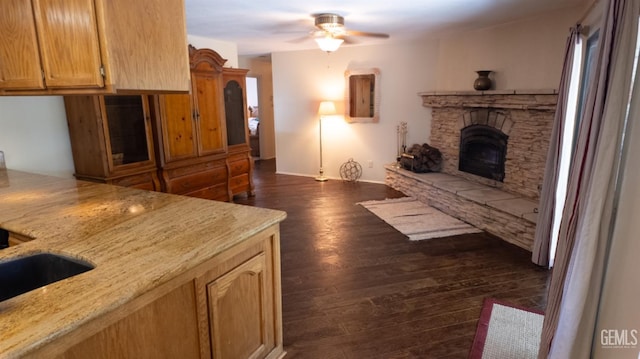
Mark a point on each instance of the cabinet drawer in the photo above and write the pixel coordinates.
(239, 167)
(240, 184)
(146, 181)
(147, 186)
(190, 183)
(197, 181)
(217, 193)
(198, 168)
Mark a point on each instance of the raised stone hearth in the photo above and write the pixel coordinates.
(504, 206)
(505, 215)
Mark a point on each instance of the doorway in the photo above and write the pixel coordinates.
(253, 116)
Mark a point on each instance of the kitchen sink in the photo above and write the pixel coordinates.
(24, 274)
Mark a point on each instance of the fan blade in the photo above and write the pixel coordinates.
(299, 39)
(349, 40)
(288, 26)
(369, 34)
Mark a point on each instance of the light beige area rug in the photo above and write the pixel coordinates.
(417, 220)
(507, 331)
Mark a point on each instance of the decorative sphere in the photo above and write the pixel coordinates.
(350, 171)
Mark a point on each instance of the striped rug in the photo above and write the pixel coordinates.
(417, 220)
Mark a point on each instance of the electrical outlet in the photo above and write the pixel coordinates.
(370, 162)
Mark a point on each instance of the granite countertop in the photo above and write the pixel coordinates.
(136, 239)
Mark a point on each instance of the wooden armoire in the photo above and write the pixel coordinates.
(197, 144)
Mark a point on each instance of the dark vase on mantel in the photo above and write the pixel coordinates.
(483, 82)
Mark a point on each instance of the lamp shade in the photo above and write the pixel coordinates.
(327, 108)
(328, 43)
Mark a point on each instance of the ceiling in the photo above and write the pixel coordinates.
(264, 26)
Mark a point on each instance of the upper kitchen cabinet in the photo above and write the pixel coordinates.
(92, 47)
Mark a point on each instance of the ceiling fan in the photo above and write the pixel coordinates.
(331, 32)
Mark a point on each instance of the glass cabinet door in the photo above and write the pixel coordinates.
(235, 111)
(129, 134)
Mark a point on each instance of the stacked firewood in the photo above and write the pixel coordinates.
(422, 158)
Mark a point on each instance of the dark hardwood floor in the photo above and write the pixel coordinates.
(354, 287)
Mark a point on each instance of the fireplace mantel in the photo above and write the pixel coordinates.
(541, 100)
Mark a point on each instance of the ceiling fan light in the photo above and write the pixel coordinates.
(329, 43)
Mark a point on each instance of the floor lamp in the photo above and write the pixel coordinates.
(327, 108)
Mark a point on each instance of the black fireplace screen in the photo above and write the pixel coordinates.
(483, 151)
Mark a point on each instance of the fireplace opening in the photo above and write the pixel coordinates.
(483, 151)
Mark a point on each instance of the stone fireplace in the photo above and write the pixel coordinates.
(522, 118)
(494, 148)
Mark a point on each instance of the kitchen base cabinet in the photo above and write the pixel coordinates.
(237, 301)
(238, 304)
(228, 307)
(164, 328)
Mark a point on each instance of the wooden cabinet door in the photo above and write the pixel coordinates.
(178, 130)
(210, 113)
(240, 311)
(69, 43)
(19, 56)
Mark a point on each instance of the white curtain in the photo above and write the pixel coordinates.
(586, 221)
(542, 240)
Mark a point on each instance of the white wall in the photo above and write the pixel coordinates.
(304, 78)
(227, 50)
(525, 55)
(34, 135)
